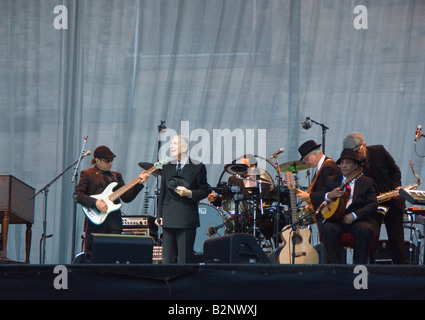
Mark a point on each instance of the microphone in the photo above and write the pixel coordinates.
(162, 127)
(418, 133)
(306, 124)
(324, 203)
(86, 154)
(277, 153)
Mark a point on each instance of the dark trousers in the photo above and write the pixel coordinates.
(332, 231)
(177, 245)
(393, 220)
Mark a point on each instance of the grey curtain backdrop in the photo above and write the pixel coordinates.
(256, 68)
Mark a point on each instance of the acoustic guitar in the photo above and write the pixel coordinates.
(296, 246)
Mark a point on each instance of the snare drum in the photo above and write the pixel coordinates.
(210, 216)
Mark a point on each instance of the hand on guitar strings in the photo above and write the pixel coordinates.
(101, 206)
(335, 193)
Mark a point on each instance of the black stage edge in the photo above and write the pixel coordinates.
(223, 282)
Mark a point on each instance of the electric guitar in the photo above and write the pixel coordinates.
(296, 246)
(109, 196)
(334, 209)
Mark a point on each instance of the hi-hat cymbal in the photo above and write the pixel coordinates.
(294, 166)
(147, 166)
(236, 168)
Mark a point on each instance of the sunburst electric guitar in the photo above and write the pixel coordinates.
(109, 196)
(296, 246)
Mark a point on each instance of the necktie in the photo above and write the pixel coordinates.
(348, 194)
(179, 166)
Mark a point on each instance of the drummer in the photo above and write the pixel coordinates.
(251, 179)
(248, 183)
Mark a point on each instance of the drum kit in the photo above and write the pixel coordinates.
(249, 202)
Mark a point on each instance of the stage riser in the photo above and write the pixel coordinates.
(210, 282)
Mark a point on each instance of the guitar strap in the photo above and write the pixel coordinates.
(316, 175)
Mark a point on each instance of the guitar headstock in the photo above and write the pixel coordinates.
(290, 181)
(159, 164)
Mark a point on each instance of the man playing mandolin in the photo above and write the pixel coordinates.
(355, 197)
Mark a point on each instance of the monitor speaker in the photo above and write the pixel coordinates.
(234, 248)
(118, 248)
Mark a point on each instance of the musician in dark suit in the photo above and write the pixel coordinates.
(183, 185)
(312, 154)
(360, 204)
(93, 181)
(379, 165)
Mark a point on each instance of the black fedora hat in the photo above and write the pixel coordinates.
(307, 147)
(173, 183)
(349, 154)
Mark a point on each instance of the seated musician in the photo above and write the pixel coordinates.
(359, 204)
(245, 182)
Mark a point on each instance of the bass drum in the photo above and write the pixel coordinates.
(210, 216)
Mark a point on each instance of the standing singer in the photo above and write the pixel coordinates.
(183, 185)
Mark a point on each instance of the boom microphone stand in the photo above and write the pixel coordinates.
(45, 191)
(307, 125)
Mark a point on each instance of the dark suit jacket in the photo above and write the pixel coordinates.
(329, 168)
(93, 181)
(385, 171)
(182, 212)
(364, 196)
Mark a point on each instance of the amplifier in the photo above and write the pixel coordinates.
(139, 225)
(135, 221)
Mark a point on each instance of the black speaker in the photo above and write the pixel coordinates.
(118, 248)
(383, 254)
(234, 248)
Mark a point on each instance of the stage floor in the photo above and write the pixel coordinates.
(218, 282)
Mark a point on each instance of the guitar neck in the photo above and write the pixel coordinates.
(293, 205)
(116, 194)
(355, 175)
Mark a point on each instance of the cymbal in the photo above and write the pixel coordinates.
(236, 168)
(294, 166)
(147, 166)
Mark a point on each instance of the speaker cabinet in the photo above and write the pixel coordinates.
(383, 254)
(234, 248)
(118, 248)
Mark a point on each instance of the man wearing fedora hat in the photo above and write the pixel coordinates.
(183, 185)
(361, 203)
(379, 165)
(312, 154)
(94, 181)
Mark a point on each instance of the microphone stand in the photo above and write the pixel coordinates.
(45, 191)
(324, 129)
(74, 180)
(277, 220)
(161, 128)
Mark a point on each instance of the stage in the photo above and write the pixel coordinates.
(210, 282)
